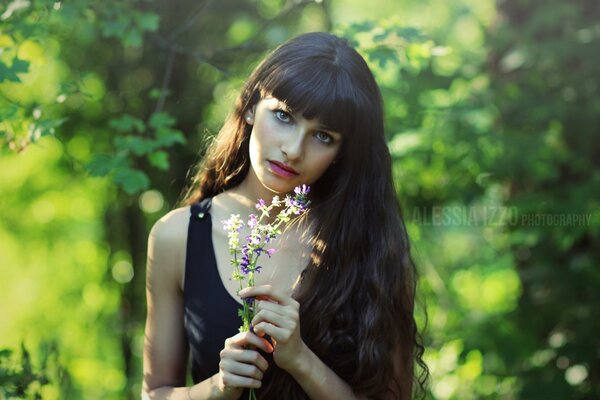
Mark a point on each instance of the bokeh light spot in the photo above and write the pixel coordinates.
(151, 201)
(122, 271)
(576, 374)
(43, 211)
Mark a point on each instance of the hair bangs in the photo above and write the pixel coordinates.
(322, 92)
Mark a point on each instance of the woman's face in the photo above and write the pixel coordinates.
(287, 150)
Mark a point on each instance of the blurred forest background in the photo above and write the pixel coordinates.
(492, 112)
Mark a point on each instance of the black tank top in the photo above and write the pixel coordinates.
(210, 313)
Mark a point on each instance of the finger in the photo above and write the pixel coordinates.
(244, 339)
(245, 356)
(286, 316)
(232, 380)
(290, 310)
(268, 291)
(240, 368)
(281, 321)
(277, 333)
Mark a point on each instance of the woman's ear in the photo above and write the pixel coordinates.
(249, 115)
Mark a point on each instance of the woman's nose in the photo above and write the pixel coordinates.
(293, 145)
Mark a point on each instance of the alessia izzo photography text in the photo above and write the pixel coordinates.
(493, 216)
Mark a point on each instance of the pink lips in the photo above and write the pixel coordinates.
(282, 169)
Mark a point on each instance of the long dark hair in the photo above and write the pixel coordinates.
(357, 292)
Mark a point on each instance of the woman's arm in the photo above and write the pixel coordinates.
(278, 316)
(165, 349)
(165, 341)
(318, 380)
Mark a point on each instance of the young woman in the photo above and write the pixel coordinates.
(335, 303)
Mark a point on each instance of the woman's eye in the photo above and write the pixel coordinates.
(324, 137)
(283, 116)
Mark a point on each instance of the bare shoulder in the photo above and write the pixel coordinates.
(167, 246)
(172, 228)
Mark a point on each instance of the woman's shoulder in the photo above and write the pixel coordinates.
(167, 248)
(172, 228)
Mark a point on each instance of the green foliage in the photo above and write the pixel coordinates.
(130, 146)
(506, 126)
(111, 89)
(18, 377)
(385, 41)
(23, 60)
(491, 113)
(121, 22)
(11, 73)
(544, 84)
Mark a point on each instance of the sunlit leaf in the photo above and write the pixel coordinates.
(147, 21)
(160, 120)
(132, 181)
(169, 137)
(159, 159)
(127, 123)
(133, 37)
(10, 74)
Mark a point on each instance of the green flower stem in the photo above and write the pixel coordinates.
(260, 238)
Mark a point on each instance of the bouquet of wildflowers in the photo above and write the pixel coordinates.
(260, 241)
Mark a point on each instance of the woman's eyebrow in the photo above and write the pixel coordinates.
(324, 127)
(284, 107)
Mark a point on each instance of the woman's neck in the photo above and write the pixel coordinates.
(244, 197)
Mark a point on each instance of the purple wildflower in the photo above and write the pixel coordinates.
(244, 264)
(253, 221)
(302, 190)
(259, 241)
(253, 240)
(289, 202)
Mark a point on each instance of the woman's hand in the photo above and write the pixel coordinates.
(277, 315)
(241, 366)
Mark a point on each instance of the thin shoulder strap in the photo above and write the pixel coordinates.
(199, 210)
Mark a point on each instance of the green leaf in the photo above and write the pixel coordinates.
(133, 37)
(127, 123)
(169, 137)
(364, 26)
(47, 126)
(136, 144)
(381, 36)
(115, 28)
(155, 93)
(160, 120)
(132, 181)
(20, 66)
(147, 21)
(159, 159)
(5, 353)
(382, 55)
(10, 74)
(410, 34)
(104, 164)
(8, 111)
